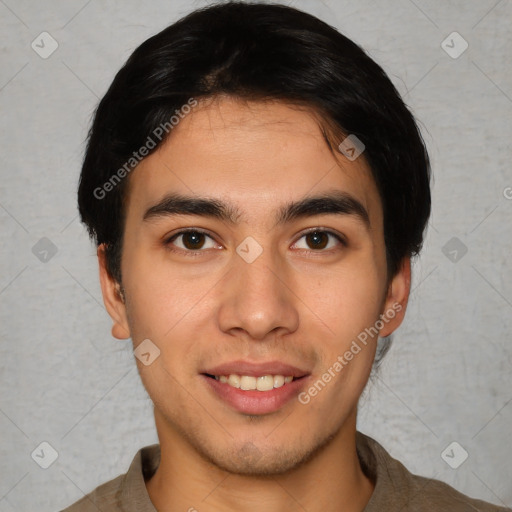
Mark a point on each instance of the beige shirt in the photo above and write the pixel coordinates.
(396, 489)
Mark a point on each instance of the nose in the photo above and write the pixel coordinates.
(258, 299)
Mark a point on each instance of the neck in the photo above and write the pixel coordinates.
(332, 480)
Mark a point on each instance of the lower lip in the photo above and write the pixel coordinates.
(254, 401)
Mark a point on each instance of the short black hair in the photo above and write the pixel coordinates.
(256, 52)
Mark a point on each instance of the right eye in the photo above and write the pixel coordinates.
(190, 240)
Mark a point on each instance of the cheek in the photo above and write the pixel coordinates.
(345, 301)
(165, 305)
(348, 309)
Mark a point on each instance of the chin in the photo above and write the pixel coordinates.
(250, 460)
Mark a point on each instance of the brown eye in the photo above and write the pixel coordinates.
(317, 239)
(191, 240)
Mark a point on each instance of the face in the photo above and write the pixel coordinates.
(256, 283)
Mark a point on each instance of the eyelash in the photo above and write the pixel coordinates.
(197, 252)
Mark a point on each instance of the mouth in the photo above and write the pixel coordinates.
(253, 383)
(255, 389)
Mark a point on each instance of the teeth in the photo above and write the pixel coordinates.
(248, 382)
(278, 381)
(234, 380)
(265, 383)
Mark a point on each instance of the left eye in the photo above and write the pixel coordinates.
(318, 240)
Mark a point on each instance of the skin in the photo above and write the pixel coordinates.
(295, 303)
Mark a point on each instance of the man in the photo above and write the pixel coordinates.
(257, 188)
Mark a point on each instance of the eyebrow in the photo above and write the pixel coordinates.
(329, 203)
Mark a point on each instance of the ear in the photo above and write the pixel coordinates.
(113, 298)
(396, 299)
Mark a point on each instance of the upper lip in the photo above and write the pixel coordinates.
(256, 369)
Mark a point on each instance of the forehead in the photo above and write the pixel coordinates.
(252, 154)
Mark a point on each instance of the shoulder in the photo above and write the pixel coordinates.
(105, 497)
(428, 495)
(396, 488)
(126, 492)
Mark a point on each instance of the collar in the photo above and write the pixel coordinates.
(376, 463)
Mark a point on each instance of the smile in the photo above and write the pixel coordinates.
(249, 382)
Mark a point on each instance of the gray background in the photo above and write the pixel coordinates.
(66, 381)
